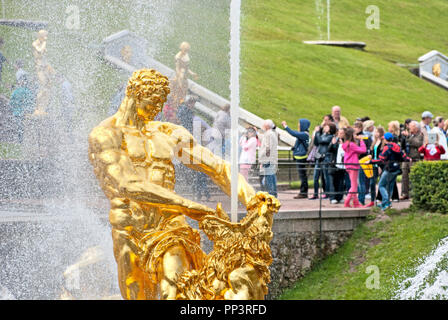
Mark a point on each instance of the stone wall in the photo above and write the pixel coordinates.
(295, 253)
(297, 245)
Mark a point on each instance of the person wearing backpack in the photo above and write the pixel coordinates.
(300, 151)
(392, 156)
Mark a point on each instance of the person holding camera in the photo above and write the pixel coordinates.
(438, 129)
(248, 156)
(336, 169)
(363, 180)
(425, 124)
(404, 132)
(300, 151)
(394, 128)
(352, 149)
(268, 158)
(432, 151)
(412, 140)
(322, 139)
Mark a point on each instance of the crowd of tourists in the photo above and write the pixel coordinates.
(359, 162)
(362, 161)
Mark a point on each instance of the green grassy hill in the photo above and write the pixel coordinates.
(164, 24)
(395, 246)
(282, 78)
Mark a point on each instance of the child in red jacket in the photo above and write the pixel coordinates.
(431, 152)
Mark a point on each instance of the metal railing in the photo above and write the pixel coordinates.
(310, 167)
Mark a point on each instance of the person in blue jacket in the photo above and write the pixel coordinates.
(300, 151)
(22, 102)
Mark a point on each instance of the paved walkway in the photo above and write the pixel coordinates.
(30, 207)
(289, 203)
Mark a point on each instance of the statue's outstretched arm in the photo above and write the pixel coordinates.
(117, 174)
(199, 158)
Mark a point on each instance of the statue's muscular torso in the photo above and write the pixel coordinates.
(151, 152)
(127, 160)
(154, 164)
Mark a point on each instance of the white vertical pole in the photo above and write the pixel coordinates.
(235, 13)
(328, 19)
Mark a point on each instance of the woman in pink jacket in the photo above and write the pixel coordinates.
(248, 143)
(351, 158)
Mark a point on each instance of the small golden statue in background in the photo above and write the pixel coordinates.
(179, 85)
(436, 69)
(158, 254)
(126, 54)
(44, 72)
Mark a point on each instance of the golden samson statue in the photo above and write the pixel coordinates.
(158, 254)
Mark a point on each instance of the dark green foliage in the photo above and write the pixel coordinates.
(429, 185)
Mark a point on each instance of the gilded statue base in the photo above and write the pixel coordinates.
(238, 266)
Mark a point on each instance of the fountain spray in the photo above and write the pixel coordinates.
(235, 13)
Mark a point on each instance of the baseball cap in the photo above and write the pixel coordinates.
(388, 136)
(427, 114)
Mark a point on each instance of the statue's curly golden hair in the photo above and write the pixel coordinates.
(148, 84)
